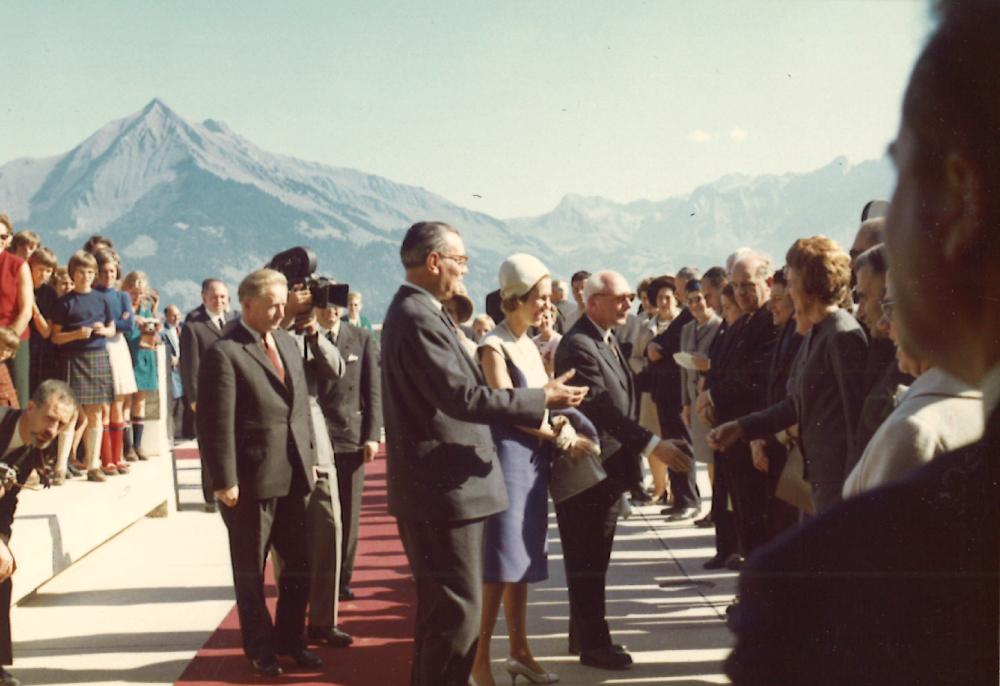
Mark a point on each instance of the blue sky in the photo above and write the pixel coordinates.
(518, 102)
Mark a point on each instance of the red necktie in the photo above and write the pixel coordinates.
(272, 355)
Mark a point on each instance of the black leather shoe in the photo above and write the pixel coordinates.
(705, 522)
(640, 497)
(267, 666)
(330, 635)
(347, 593)
(306, 658)
(734, 562)
(717, 562)
(606, 658)
(681, 513)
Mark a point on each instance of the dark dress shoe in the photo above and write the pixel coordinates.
(347, 593)
(574, 648)
(717, 562)
(681, 513)
(606, 658)
(663, 500)
(640, 497)
(306, 658)
(735, 562)
(330, 635)
(267, 666)
(705, 522)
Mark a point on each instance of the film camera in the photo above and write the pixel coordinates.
(298, 265)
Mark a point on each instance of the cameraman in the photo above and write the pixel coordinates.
(323, 364)
(27, 442)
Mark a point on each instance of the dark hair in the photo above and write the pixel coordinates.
(24, 238)
(952, 103)
(581, 275)
(693, 286)
(43, 256)
(658, 284)
(207, 283)
(780, 278)
(729, 292)
(421, 240)
(94, 242)
(875, 259)
(716, 277)
(688, 273)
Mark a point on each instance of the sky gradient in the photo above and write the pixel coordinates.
(517, 102)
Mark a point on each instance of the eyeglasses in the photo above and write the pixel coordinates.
(887, 307)
(620, 297)
(460, 260)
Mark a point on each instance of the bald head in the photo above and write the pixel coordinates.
(870, 233)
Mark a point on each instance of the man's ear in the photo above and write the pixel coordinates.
(963, 201)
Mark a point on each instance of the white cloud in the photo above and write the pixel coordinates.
(182, 226)
(738, 134)
(700, 136)
(142, 246)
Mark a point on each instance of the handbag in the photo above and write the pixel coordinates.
(573, 475)
(792, 487)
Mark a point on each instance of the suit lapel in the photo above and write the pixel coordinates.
(451, 335)
(605, 351)
(255, 349)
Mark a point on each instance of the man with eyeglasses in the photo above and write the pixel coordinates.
(17, 298)
(444, 476)
(587, 520)
(901, 585)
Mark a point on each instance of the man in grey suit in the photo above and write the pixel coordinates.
(352, 406)
(255, 436)
(588, 519)
(203, 327)
(444, 477)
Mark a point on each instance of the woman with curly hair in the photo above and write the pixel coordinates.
(827, 377)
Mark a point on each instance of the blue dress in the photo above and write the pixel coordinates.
(516, 548)
(143, 359)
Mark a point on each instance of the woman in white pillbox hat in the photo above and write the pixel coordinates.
(516, 549)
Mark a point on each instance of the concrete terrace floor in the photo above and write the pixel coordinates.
(137, 609)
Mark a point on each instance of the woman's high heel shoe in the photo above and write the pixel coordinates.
(516, 669)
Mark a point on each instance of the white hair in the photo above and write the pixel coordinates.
(599, 282)
(758, 260)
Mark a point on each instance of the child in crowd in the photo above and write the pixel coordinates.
(24, 244)
(61, 281)
(82, 324)
(142, 341)
(9, 341)
(113, 446)
(43, 357)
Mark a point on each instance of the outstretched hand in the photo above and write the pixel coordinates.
(559, 395)
(723, 436)
(671, 454)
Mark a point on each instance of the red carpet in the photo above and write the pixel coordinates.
(380, 618)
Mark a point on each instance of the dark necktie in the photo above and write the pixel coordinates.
(272, 355)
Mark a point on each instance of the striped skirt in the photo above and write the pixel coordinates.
(88, 373)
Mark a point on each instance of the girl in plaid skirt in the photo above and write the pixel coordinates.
(81, 326)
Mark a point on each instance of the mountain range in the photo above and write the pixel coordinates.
(184, 200)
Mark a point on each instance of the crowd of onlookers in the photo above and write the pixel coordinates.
(90, 324)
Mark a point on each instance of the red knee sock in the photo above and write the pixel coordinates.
(116, 441)
(107, 458)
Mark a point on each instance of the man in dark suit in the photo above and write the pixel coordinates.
(587, 520)
(203, 326)
(352, 406)
(444, 477)
(563, 306)
(255, 436)
(741, 389)
(902, 585)
(665, 381)
(27, 443)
